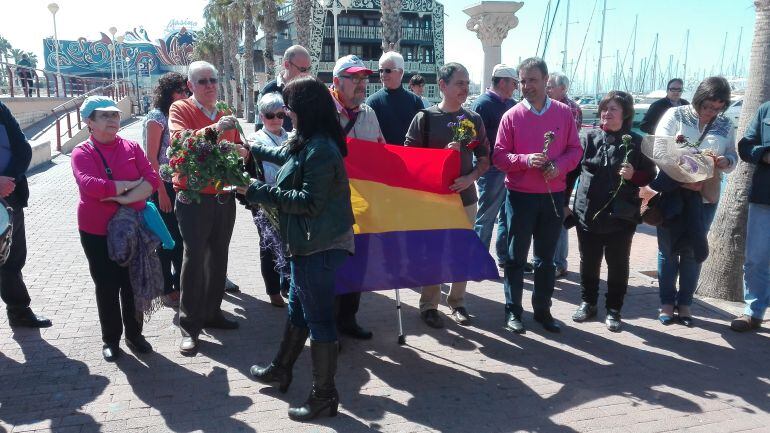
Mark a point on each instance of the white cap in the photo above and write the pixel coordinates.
(352, 64)
(505, 71)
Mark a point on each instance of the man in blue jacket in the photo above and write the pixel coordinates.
(754, 148)
(15, 155)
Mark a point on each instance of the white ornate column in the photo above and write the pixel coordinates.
(491, 20)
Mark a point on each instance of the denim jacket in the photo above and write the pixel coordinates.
(752, 148)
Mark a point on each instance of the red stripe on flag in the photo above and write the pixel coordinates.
(431, 170)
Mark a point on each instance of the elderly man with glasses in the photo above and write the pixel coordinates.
(673, 98)
(394, 105)
(358, 120)
(206, 227)
(296, 63)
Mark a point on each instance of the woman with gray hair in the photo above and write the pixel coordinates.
(272, 134)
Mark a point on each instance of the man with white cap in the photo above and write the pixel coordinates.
(394, 105)
(358, 120)
(491, 106)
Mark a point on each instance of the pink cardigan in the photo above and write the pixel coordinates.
(521, 133)
(127, 162)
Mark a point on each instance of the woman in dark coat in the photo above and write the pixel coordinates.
(607, 205)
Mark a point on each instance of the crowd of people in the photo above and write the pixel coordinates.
(526, 167)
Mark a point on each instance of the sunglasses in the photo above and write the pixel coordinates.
(203, 81)
(674, 89)
(355, 80)
(299, 68)
(271, 116)
(387, 70)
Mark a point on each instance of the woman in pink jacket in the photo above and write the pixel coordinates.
(110, 171)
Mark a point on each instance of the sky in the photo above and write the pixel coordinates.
(707, 20)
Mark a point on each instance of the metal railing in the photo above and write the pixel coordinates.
(64, 112)
(21, 81)
(430, 90)
(375, 32)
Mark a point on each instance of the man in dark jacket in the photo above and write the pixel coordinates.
(754, 148)
(296, 63)
(15, 155)
(491, 106)
(655, 112)
(395, 106)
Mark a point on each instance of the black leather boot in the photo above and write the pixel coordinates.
(324, 395)
(279, 371)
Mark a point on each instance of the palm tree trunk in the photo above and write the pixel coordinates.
(235, 29)
(391, 25)
(226, 63)
(248, 58)
(723, 270)
(269, 26)
(302, 13)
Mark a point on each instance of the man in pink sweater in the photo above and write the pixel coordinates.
(536, 180)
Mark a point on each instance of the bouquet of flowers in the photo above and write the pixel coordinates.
(626, 146)
(464, 132)
(197, 160)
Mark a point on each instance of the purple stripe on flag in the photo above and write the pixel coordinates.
(415, 258)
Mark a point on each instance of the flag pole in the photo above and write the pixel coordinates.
(401, 336)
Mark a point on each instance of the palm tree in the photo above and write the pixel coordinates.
(270, 28)
(250, 9)
(391, 25)
(32, 58)
(5, 46)
(723, 270)
(16, 54)
(234, 14)
(302, 12)
(215, 13)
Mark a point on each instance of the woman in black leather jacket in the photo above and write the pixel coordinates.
(312, 195)
(607, 205)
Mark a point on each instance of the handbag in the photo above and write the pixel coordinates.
(651, 212)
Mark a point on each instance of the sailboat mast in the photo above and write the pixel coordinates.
(722, 61)
(601, 51)
(737, 54)
(566, 40)
(633, 54)
(686, 47)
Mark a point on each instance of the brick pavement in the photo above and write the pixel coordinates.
(649, 378)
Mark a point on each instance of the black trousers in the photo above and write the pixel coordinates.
(114, 294)
(206, 229)
(170, 260)
(347, 307)
(12, 287)
(615, 248)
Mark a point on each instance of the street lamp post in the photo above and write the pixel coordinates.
(336, 7)
(53, 8)
(114, 63)
(119, 53)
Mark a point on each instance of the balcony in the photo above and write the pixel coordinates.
(375, 32)
(409, 67)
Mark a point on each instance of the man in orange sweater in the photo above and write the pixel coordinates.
(206, 227)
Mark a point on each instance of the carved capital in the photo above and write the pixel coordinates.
(492, 28)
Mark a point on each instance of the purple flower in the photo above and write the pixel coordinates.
(461, 117)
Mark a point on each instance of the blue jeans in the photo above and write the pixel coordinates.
(562, 249)
(311, 294)
(682, 264)
(491, 187)
(531, 217)
(756, 269)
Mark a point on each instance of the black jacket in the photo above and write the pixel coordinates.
(599, 179)
(21, 155)
(312, 194)
(655, 112)
(752, 148)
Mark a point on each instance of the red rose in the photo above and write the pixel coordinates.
(473, 144)
(680, 139)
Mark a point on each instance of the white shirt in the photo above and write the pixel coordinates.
(268, 139)
(211, 115)
(529, 106)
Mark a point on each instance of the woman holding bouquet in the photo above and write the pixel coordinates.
(607, 205)
(312, 196)
(110, 171)
(682, 244)
(272, 134)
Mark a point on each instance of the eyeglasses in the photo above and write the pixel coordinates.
(355, 80)
(271, 116)
(204, 81)
(388, 70)
(675, 89)
(107, 115)
(302, 69)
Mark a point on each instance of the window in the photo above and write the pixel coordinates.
(346, 49)
(427, 55)
(348, 20)
(327, 53)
